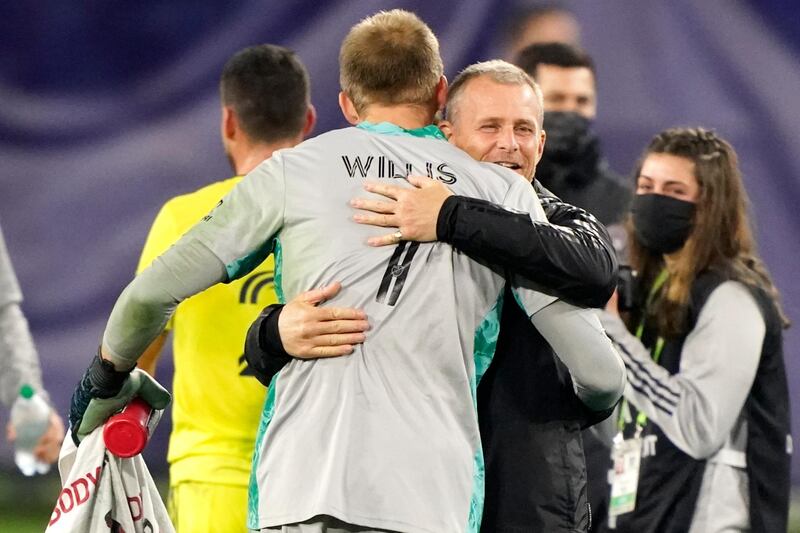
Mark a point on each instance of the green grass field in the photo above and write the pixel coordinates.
(25, 503)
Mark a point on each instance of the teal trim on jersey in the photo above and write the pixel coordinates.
(244, 265)
(278, 253)
(478, 489)
(485, 341)
(484, 345)
(430, 131)
(252, 489)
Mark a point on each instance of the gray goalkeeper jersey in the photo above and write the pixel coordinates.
(386, 437)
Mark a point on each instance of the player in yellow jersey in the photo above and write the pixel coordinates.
(217, 402)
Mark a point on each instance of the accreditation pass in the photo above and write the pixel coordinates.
(625, 476)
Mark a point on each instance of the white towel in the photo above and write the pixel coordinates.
(101, 492)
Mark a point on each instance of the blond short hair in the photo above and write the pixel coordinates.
(498, 71)
(390, 58)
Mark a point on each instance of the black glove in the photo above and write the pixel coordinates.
(263, 348)
(103, 390)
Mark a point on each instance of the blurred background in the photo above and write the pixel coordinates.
(108, 109)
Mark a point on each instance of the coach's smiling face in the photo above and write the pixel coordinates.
(497, 123)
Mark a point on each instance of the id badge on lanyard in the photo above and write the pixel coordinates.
(627, 453)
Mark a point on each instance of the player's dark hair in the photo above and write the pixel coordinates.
(268, 88)
(558, 54)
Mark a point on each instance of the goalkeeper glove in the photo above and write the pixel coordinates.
(103, 391)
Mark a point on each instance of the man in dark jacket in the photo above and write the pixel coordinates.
(530, 414)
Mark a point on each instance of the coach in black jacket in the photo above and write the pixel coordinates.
(530, 417)
(529, 413)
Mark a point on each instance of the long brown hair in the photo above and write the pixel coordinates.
(720, 239)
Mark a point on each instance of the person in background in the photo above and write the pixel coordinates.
(707, 395)
(265, 107)
(19, 363)
(530, 415)
(572, 165)
(545, 23)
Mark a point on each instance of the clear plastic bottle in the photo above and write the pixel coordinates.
(30, 416)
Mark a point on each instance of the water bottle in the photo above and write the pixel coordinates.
(30, 416)
(126, 434)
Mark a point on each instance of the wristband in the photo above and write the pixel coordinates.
(269, 336)
(263, 349)
(106, 381)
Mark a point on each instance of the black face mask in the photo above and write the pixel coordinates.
(571, 151)
(662, 223)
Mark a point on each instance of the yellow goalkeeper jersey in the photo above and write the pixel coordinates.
(217, 402)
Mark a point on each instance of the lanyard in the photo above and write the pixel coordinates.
(641, 418)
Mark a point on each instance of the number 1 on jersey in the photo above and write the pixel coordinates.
(396, 272)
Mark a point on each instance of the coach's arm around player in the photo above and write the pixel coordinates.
(301, 329)
(571, 255)
(583, 271)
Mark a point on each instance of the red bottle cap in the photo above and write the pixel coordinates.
(126, 433)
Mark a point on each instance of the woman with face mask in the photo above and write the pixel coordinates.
(703, 439)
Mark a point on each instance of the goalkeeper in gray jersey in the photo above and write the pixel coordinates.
(386, 439)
